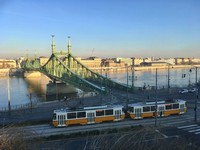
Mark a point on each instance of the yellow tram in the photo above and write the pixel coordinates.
(87, 115)
(164, 108)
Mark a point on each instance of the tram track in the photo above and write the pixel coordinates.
(46, 130)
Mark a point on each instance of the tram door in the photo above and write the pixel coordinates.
(61, 120)
(118, 114)
(182, 108)
(161, 110)
(138, 112)
(90, 117)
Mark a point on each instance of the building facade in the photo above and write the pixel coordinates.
(8, 63)
(91, 62)
(43, 60)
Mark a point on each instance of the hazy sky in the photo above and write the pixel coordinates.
(102, 28)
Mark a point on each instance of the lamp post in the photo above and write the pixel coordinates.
(8, 86)
(195, 108)
(197, 96)
(127, 100)
(133, 74)
(30, 97)
(56, 91)
(127, 80)
(156, 103)
(101, 89)
(168, 80)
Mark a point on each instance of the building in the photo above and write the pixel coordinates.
(147, 60)
(137, 61)
(112, 63)
(127, 61)
(43, 60)
(8, 63)
(187, 61)
(195, 60)
(90, 62)
(154, 64)
(170, 61)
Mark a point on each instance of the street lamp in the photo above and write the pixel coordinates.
(8, 86)
(133, 74)
(156, 100)
(195, 109)
(56, 91)
(101, 89)
(197, 96)
(127, 100)
(127, 81)
(168, 80)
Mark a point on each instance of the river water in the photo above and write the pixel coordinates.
(23, 90)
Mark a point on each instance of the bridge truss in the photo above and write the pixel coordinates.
(63, 66)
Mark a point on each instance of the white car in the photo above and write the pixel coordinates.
(193, 90)
(183, 91)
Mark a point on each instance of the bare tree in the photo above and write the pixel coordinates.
(12, 139)
(146, 138)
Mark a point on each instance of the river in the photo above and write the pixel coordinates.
(23, 90)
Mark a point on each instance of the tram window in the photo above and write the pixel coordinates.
(81, 114)
(54, 116)
(169, 106)
(145, 109)
(175, 106)
(153, 108)
(109, 112)
(71, 115)
(130, 109)
(100, 113)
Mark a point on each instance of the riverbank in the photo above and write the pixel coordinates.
(11, 72)
(19, 72)
(164, 67)
(4, 72)
(141, 68)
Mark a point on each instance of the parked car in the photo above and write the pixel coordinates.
(183, 91)
(193, 90)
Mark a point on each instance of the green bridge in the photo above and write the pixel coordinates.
(64, 67)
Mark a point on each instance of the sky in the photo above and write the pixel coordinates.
(101, 28)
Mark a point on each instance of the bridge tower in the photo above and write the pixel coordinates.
(53, 52)
(53, 44)
(69, 53)
(69, 45)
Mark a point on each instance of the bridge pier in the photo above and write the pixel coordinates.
(32, 74)
(53, 88)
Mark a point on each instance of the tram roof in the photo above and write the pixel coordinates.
(88, 108)
(159, 102)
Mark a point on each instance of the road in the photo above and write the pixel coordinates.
(47, 129)
(168, 128)
(44, 111)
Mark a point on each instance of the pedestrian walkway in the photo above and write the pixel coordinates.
(193, 128)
